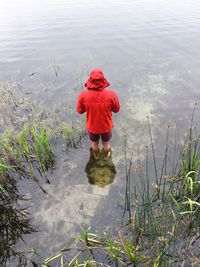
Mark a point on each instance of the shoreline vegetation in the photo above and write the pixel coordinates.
(161, 215)
(29, 133)
(161, 203)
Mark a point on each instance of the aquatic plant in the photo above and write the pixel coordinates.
(128, 164)
(30, 131)
(72, 135)
(175, 201)
(163, 205)
(28, 134)
(163, 208)
(42, 148)
(112, 251)
(14, 221)
(3, 168)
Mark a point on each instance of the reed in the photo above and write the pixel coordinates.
(174, 196)
(154, 159)
(190, 163)
(128, 164)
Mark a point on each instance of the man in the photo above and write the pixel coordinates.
(98, 103)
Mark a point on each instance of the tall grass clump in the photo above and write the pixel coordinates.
(42, 148)
(165, 202)
(30, 133)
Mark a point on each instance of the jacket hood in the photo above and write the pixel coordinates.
(96, 81)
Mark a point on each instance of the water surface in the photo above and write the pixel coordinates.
(149, 51)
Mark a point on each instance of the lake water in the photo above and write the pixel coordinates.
(149, 52)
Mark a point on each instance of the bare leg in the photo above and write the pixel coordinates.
(95, 147)
(106, 147)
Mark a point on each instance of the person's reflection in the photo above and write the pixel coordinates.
(100, 172)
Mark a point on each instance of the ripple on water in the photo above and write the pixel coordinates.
(146, 49)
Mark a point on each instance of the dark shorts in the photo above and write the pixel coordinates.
(105, 137)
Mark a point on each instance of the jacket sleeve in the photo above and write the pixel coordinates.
(80, 108)
(116, 104)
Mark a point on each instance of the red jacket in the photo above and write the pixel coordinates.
(98, 103)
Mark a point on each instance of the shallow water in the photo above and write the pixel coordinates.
(149, 51)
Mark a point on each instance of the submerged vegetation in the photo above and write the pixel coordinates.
(162, 204)
(29, 135)
(162, 197)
